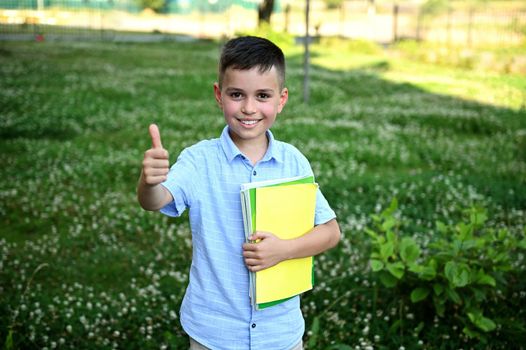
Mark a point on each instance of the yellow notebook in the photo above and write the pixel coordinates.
(287, 212)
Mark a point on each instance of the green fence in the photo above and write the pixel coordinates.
(170, 6)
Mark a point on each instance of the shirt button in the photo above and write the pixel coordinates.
(253, 325)
(254, 173)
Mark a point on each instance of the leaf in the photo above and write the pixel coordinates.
(371, 233)
(395, 326)
(428, 273)
(471, 333)
(453, 295)
(479, 294)
(391, 237)
(388, 224)
(502, 234)
(483, 278)
(441, 227)
(386, 250)
(458, 274)
(8, 345)
(440, 307)
(438, 289)
(483, 323)
(391, 209)
(419, 328)
(419, 294)
(464, 230)
(387, 279)
(314, 330)
(409, 250)
(478, 217)
(396, 269)
(376, 265)
(339, 347)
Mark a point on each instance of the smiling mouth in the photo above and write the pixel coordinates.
(248, 122)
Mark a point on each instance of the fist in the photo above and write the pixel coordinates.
(155, 165)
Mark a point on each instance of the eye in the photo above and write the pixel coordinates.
(263, 96)
(236, 95)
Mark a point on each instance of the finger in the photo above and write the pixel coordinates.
(152, 166)
(156, 153)
(247, 254)
(252, 262)
(156, 136)
(155, 180)
(255, 268)
(258, 236)
(158, 164)
(249, 247)
(156, 171)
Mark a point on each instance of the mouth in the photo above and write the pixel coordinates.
(249, 122)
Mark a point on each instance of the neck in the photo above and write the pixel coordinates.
(255, 149)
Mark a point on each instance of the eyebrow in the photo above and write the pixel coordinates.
(234, 89)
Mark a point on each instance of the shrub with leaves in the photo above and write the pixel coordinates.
(459, 275)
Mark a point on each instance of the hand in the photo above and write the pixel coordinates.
(268, 251)
(155, 165)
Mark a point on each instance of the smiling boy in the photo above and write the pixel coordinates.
(216, 312)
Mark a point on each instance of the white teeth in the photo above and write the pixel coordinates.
(249, 122)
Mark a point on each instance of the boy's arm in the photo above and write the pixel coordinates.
(271, 250)
(155, 166)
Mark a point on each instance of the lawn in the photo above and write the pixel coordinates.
(82, 266)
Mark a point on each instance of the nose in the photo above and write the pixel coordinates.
(249, 107)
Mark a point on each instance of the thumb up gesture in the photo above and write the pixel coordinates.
(155, 165)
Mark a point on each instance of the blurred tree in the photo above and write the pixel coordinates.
(265, 9)
(333, 4)
(155, 5)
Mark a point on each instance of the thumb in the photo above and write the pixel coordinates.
(156, 136)
(258, 236)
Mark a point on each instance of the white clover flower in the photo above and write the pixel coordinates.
(69, 329)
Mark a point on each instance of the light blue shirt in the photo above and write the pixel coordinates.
(216, 308)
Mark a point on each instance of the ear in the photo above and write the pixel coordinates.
(217, 94)
(283, 98)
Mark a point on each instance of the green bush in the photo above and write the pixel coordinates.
(155, 5)
(459, 275)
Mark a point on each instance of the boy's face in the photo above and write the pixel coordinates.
(250, 101)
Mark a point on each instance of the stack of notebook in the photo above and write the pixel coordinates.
(284, 207)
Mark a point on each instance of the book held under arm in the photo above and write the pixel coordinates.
(284, 207)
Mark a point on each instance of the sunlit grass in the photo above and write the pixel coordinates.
(82, 266)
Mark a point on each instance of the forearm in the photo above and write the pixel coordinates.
(152, 197)
(318, 240)
(270, 250)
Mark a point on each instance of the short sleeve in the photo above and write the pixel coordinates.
(324, 212)
(180, 183)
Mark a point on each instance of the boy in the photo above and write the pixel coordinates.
(216, 311)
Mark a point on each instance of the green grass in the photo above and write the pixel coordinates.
(73, 128)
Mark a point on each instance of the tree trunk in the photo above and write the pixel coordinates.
(265, 11)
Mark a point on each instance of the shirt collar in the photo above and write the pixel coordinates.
(231, 150)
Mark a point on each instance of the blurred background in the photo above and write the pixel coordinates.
(466, 22)
(415, 129)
